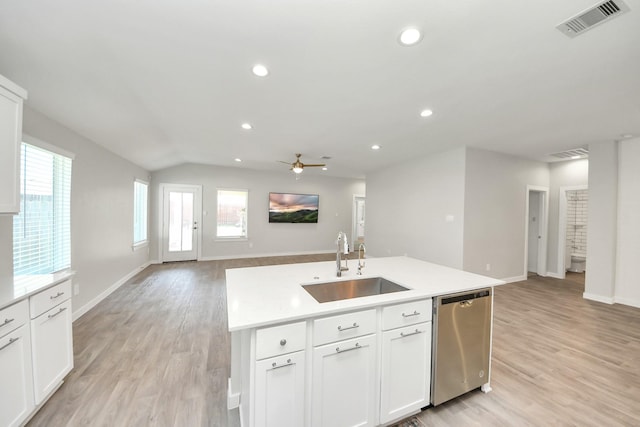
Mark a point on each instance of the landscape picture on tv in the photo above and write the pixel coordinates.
(286, 207)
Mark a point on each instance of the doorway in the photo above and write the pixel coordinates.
(537, 209)
(572, 237)
(181, 218)
(358, 220)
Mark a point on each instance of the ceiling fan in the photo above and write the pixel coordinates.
(298, 166)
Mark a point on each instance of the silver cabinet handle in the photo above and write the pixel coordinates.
(283, 342)
(415, 313)
(355, 325)
(402, 334)
(6, 322)
(59, 294)
(11, 341)
(274, 365)
(357, 346)
(51, 316)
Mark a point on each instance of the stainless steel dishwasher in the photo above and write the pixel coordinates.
(461, 343)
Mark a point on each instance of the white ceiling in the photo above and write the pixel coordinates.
(167, 82)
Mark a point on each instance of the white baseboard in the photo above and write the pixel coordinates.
(264, 255)
(233, 399)
(88, 306)
(627, 301)
(555, 275)
(514, 279)
(598, 298)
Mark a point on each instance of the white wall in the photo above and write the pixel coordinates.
(407, 206)
(561, 174)
(601, 235)
(495, 211)
(627, 288)
(335, 210)
(101, 211)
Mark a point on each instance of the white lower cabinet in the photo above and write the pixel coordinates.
(16, 382)
(406, 371)
(52, 348)
(344, 383)
(279, 391)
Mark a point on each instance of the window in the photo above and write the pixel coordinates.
(140, 191)
(232, 214)
(42, 230)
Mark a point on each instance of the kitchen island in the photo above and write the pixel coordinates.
(358, 361)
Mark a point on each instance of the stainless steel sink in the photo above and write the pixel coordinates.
(356, 288)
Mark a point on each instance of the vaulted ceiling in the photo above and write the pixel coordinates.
(167, 82)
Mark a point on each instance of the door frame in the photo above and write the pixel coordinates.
(354, 219)
(197, 216)
(543, 224)
(562, 226)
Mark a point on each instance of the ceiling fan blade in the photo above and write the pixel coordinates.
(286, 163)
(314, 166)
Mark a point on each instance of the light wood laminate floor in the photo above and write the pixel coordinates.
(156, 352)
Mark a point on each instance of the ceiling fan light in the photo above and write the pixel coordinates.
(296, 169)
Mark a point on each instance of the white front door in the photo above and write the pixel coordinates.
(182, 209)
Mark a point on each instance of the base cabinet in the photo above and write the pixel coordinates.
(279, 391)
(406, 371)
(344, 383)
(52, 347)
(16, 400)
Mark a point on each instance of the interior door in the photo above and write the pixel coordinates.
(181, 222)
(358, 221)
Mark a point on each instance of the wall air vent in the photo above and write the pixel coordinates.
(587, 19)
(571, 154)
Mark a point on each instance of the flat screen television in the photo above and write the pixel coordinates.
(297, 208)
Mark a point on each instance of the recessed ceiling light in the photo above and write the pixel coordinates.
(426, 113)
(410, 36)
(626, 135)
(375, 147)
(247, 126)
(325, 168)
(237, 159)
(260, 70)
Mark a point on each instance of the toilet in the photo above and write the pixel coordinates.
(578, 263)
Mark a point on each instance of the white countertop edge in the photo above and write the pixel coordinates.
(26, 286)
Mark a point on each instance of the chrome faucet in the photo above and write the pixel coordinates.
(343, 249)
(362, 251)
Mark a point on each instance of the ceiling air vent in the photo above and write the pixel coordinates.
(571, 154)
(593, 16)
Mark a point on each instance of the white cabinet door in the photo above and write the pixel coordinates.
(16, 381)
(10, 139)
(406, 371)
(279, 391)
(52, 346)
(344, 383)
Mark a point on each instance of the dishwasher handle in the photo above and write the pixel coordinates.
(465, 297)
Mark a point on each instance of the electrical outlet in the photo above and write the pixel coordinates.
(488, 267)
(76, 288)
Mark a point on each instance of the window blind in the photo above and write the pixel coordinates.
(42, 230)
(140, 191)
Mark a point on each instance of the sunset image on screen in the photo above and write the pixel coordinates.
(293, 207)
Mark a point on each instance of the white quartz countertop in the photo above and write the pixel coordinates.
(260, 296)
(25, 286)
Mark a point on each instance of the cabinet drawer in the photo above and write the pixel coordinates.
(343, 326)
(405, 314)
(279, 340)
(14, 316)
(49, 298)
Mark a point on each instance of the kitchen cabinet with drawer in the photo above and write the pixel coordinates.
(279, 380)
(406, 359)
(16, 385)
(51, 339)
